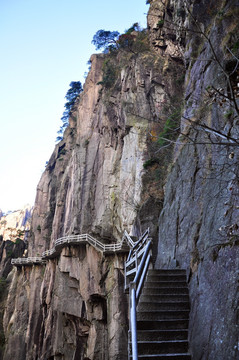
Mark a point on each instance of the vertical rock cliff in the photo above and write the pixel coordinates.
(102, 178)
(164, 107)
(198, 226)
(14, 231)
(16, 224)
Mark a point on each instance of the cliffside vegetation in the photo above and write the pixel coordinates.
(71, 96)
(133, 42)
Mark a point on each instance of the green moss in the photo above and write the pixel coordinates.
(113, 196)
(235, 46)
(150, 162)
(9, 253)
(160, 23)
(229, 114)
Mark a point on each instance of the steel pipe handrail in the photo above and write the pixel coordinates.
(140, 257)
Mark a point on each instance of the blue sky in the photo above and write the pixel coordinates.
(45, 44)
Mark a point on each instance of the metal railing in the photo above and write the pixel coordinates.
(28, 261)
(86, 238)
(122, 246)
(136, 268)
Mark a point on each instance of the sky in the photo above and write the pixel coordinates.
(45, 44)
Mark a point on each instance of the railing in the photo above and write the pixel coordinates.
(122, 246)
(136, 268)
(86, 238)
(28, 261)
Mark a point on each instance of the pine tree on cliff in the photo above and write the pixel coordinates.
(71, 96)
(106, 40)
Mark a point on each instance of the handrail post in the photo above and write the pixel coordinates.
(125, 277)
(133, 321)
(136, 261)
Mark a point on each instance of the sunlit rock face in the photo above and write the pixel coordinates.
(95, 182)
(94, 179)
(16, 224)
(14, 231)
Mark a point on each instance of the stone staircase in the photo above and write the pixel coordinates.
(162, 316)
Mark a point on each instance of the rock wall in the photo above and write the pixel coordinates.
(10, 250)
(14, 231)
(198, 226)
(93, 181)
(16, 224)
(101, 179)
(73, 308)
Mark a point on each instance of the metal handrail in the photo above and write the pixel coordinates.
(139, 257)
(28, 261)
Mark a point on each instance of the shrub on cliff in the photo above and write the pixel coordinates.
(109, 74)
(71, 95)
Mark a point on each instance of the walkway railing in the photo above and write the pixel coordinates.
(136, 268)
(28, 261)
(122, 246)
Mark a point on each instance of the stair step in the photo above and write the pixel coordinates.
(152, 306)
(162, 347)
(164, 297)
(159, 335)
(166, 271)
(167, 277)
(165, 284)
(182, 356)
(151, 290)
(162, 315)
(164, 324)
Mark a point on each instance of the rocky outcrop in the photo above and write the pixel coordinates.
(81, 310)
(14, 231)
(8, 251)
(16, 224)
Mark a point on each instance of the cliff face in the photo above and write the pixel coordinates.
(108, 174)
(16, 224)
(198, 226)
(73, 308)
(95, 182)
(14, 231)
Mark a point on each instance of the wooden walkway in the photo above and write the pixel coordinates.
(60, 243)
